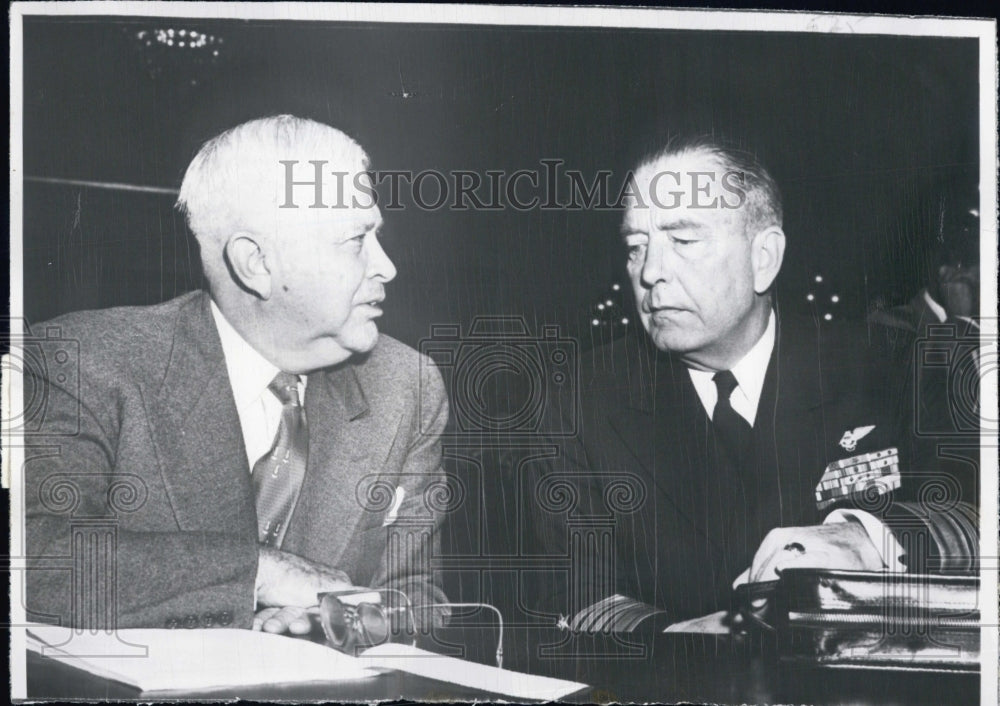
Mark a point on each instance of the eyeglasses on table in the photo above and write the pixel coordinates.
(357, 619)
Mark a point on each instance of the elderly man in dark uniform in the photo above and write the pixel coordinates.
(758, 440)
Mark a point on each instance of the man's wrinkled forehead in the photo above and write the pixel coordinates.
(692, 191)
(349, 217)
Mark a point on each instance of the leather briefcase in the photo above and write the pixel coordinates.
(870, 619)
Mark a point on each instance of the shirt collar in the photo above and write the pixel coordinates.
(249, 372)
(749, 372)
(752, 367)
(938, 310)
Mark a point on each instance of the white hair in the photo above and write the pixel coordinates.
(235, 181)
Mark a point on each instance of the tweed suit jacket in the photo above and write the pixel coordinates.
(143, 442)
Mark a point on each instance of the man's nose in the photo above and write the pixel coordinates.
(659, 265)
(379, 264)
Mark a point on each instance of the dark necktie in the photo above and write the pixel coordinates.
(731, 429)
(277, 476)
(737, 485)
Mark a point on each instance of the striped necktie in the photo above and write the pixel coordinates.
(278, 475)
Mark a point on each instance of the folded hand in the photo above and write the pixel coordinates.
(840, 545)
(286, 580)
(292, 619)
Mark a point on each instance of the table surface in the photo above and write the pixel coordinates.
(641, 668)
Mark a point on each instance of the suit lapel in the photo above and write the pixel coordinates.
(634, 420)
(670, 434)
(665, 429)
(790, 424)
(346, 443)
(196, 430)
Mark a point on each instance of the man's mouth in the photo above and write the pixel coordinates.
(661, 309)
(666, 313)
(375, 303)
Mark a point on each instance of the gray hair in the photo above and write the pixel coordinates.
(763, 207)
(236, 179)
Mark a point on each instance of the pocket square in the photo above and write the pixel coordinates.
(397, 500)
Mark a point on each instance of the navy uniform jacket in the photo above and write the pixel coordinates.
(685, 521)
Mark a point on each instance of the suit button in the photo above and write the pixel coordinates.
(171, 623)
(225, 618)
(208, 620)
(191, 622)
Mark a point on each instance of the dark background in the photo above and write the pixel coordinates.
(863, 133)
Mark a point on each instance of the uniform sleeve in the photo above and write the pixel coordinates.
(936, 540)
(932, 518)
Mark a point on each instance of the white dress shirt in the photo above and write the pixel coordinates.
(942, 316)
(938, 310)
(249, 375)
(749, 372)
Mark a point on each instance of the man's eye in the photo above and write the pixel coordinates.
(636, 252)
(684, 241)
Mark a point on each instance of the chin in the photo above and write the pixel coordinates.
(362, 341)
(672, 340)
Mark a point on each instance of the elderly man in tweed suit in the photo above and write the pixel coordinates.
(272, 439)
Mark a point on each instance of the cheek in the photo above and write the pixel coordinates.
(742, 279)
(723, 284)
(635, 278)
(324, 295)
(723, 295)
(733, 299)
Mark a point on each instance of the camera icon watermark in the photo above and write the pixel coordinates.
(504, 380)
(950, 364)
(44, 362)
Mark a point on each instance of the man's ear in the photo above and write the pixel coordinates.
(767, 250)
(248, 264)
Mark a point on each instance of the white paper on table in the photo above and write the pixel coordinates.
(711, 624)
(195, 659)
(456, 671)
